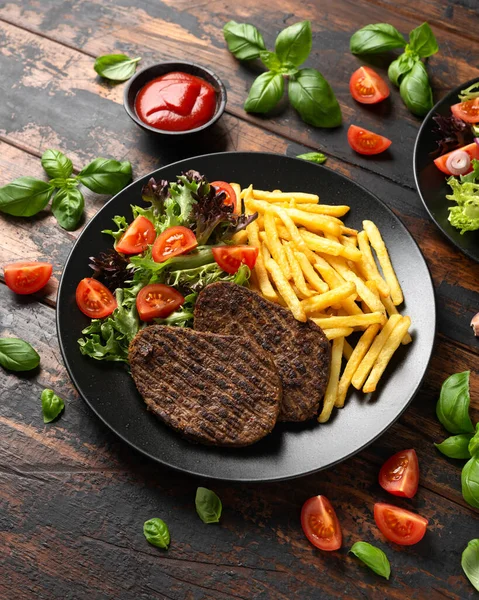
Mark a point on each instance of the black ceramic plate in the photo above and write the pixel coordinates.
(431, 183)
(291, 450)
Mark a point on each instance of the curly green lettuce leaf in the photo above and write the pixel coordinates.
(464, 216)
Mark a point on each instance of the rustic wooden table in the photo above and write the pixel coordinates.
(73, 497)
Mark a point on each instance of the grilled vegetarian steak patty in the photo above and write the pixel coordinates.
(301, 351)
(214, 389)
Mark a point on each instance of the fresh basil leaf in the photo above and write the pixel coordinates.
(423, 41)
(399, 67)
(293, 44)
(56, 164)
(470, 562)
(52, 405)
(270, 61)
(474, 443)
(25, 196)
(265, 93)
(372, 557)
(316, 157)
(470, 482)
(117, 67)
(456, 446)
(416, 91)
(208, 505)
(244, 40)
(312, 96)
(157, 533)
(17, 355)
(375, 38)
(106, 176)
(67, 206)
(452, 408)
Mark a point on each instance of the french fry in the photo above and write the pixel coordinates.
(277, 196)
(297, 272)
(354, 360)
(347, 349)
(392, 310)
(285, 290)
(240, 237)
(322, 301)
(247, 195)
(352, 320)
(337, 332)
(383, 257)
(369, 359)
(332, 388)
(274, 244)
(259, 268)
(309, 273)
(237, 189)
(314, 222)
(333, 279)
(327, 246)
(292, 230)
(369, 264)
(323, 209)
(392, 344)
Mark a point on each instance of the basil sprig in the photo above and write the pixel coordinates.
(52, 405)
(17, 355)
(408, 71)
(208, 505)
(26, 196)
(470, 562)
(157, 533)
(316, 157)
(456, 446)
(452, 408)
(372, 557)
(309, 92)
(116, 67)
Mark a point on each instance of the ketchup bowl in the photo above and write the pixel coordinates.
(189, 92)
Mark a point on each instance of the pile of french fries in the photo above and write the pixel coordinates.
(310, 262)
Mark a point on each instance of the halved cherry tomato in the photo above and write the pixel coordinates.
(467, 111)
(172, 242)
(320, 524)
(399, 475)
(363, 141)
(230, 258)
(399, 525)
(139, 235)
(157, 301)
(94, 299)
(367, 87)
(27, 277)
(471, 149)
(222, 186)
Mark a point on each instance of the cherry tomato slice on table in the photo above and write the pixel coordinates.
(94, 299)
(139, 235)
(27, 277)
(471, 149)
(157, 301)
(399, 525)
(230, 258)
(367, 87)
(173, 242)
(467, 111)
(222, 186)
(399, 475)
(363, 141)
(320, 524)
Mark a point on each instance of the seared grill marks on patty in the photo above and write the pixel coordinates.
(213, 389)
(301, 351)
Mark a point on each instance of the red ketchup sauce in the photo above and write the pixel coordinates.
(176, 102)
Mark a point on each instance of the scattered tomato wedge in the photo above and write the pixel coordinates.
(399, 475)
(363, 141)
(172, 242)
(367, 87)
(157, 300)
(399, 525)
(471, 149)
(27, 277)
(230, 258)
(467, 111)
(320, 524)
(139, 235)
(222, 186)
(94, 299)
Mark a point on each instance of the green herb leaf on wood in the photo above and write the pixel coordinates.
(422, 41)
(67, 206)
(372, 557)
(316, 157)
(52, 405)
(474, 443)
(208, 505)
(157, 533)
(470, 562)
(415, 90)
(106, 176)
(25, 196)
(452, 408)
(244, 40)
(56, 164)
(117, 67)
(17, 355)
(456, 446)
(374, 38)
(293, 44)
(470, 482)
(265, 93)
(399, 67)
(312, 96)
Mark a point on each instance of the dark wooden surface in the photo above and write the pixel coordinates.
(72, 497)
